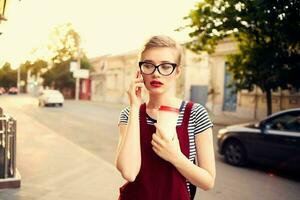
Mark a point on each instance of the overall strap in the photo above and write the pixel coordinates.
(187, 113)
(143, 116)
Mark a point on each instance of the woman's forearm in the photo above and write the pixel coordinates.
(196, 175)
(129, 153)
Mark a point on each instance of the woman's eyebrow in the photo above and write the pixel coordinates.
(148, 61)
(163, 61)
(166, 61)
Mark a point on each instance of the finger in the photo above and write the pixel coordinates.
(138, 80)
(138, 86)
(139, 77)
(156, 150)
(159, 131)
(134, 86)
(154, 144)
(137, 73)
(156, 138)
(138, 93)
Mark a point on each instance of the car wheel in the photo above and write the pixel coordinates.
(61, 105)
(235, 153)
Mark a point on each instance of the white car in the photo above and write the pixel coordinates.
(51, 97)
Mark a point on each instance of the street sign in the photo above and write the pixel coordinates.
(73, 66)
(81, 73)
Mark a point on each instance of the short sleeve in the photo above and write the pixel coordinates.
(202, 120)
(124, 116)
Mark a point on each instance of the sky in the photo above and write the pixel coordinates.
(105, 26)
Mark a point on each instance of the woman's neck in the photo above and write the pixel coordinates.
(163, 99)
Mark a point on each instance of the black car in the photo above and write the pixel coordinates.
(274, 140)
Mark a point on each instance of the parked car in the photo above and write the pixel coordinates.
(2, 90)
(274, 141)
(13, 90)
(51, 97)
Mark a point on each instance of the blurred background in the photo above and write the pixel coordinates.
(65, 67)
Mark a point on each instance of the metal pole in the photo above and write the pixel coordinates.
(77, 79)
(77, 89)
(18, 79)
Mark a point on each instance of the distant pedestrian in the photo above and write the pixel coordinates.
(155, 166)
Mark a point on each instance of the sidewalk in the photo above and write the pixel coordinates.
(227, 120)
(53, 168)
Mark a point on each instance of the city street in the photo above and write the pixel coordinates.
(78, 161)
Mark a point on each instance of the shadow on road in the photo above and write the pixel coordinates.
(277, 170)
(270, 169)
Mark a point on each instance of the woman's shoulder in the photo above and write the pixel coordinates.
(199, 112)
(197, 107)
(200, 118)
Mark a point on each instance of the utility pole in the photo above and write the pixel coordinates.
(18, 78)
(77, 79)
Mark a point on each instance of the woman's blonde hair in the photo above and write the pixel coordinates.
(163, 41)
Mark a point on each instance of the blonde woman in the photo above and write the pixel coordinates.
(156, 167)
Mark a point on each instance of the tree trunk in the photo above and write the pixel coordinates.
(269, 102)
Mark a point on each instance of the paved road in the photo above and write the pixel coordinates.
(92, 126)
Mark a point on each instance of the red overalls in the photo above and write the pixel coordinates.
(158, 179)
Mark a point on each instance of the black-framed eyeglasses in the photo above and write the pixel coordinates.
(164, 69)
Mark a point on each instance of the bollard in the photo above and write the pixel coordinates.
(9, 176)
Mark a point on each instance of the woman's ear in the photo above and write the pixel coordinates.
(178, 71)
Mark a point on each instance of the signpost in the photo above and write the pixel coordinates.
(81, 73)
(73, 66)
(78, 74)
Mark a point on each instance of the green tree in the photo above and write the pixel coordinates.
(59, 76)
(8, 76)
(268, 32)
(64, 45)
(34, 68)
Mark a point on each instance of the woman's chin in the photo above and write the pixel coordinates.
(156, 91)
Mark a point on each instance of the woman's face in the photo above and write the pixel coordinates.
(157, 83)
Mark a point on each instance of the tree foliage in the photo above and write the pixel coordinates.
(268, 32)
(65, 47)
(64, 43)
(32, 68)
(8, 76)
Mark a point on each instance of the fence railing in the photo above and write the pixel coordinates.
(9, 176)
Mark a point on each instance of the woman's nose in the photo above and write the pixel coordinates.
(156, 73)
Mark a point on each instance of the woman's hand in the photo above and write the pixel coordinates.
(168, 150)
(135, 90)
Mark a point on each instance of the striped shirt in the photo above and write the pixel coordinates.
(199, 121)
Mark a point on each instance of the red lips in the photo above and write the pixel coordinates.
(156, 83)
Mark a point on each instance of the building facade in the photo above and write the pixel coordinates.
(246, 104)
(204, 80)
(111, 77)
